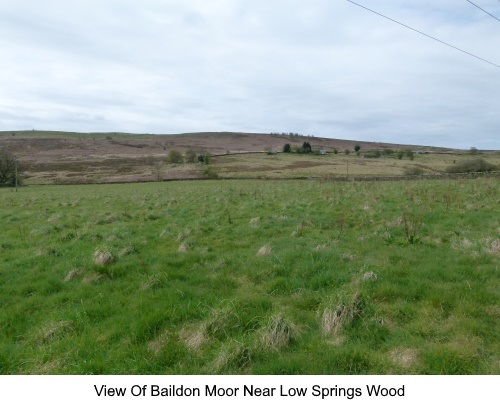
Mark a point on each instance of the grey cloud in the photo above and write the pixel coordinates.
(321, 67)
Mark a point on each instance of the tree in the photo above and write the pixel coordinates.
(9, 168)
(357, 148)
(306, 147)
(174, 156)
(473, 150)
(287, 148)
(158, 166)
(190, 156)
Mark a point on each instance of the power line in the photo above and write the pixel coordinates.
(483, 10)
(422, 33)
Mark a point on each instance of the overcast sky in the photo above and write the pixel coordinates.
(322, 67)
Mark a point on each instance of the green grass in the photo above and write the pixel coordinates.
(251, 277)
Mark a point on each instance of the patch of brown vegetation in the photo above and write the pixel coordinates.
(194, 337)
(264, 251)
(103, 258)
(158, 344)
(404, 358)
(278, 333)
(73, 274)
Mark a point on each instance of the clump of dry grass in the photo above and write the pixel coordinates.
(264, 251)
(52, 330)
(278, 333)
(232, 355)
(340, 313)
(369, 275)
(193, 337)
(128, 250)
(404, 357)
(216, 326)
(94, 278)
(493, 246)
(103, 257)
(219, 322)
(73, 274)
(158, 344)
(183, 248)
(255, 220)
(154, 281)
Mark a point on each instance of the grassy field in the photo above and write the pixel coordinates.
(251, 277)
(333, 166)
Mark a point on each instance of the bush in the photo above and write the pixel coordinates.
(190, 156)
(287, 148)
(347, 151)
(357, 148)
(306, 148)
(174, 156)
(203, 159)
(471, 166)
(210, 173)
(414, 171)
(8, 168)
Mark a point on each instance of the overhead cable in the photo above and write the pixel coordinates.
(429, 36)
(483, 10)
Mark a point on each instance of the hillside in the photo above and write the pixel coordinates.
(50, 157)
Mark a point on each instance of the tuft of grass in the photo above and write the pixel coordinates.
(103, 258)
(278, 333)
(341, 312)
(264, 251)
(232, 356)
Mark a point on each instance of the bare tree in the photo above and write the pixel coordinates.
(158, 166)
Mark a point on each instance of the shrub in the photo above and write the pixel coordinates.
(347, 151)
(174, 156)
(357, 148)
(210, 173)
(470, 166)
(306, 148)
(287, 148)
(414, 171)
(8, 168)
(335, 151)
(203, 159)
(190, 156)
